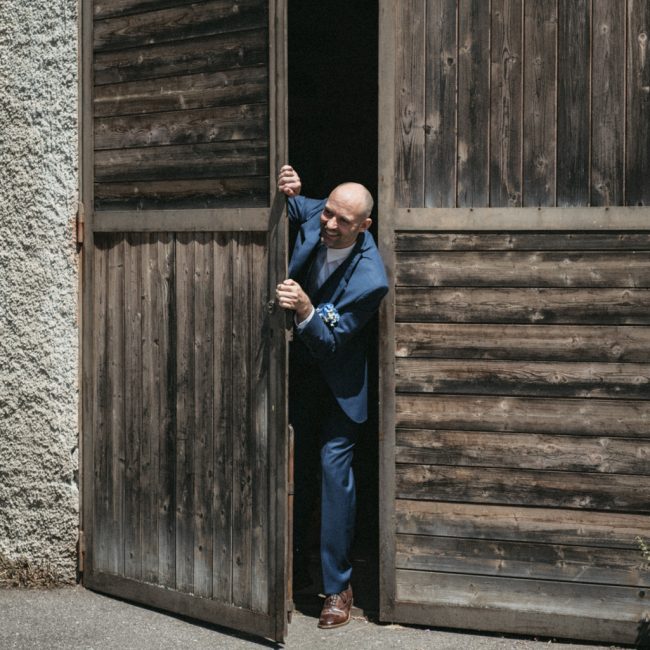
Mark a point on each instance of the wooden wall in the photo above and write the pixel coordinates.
(515, 351)
(522, 103)
(181, 104)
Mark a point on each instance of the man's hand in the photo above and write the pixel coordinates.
(291, 296)
(289, 181)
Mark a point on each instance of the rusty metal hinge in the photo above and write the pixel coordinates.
(81, 550)
(81, 221)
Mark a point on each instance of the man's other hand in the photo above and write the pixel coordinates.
(289, 181)
(291, 296)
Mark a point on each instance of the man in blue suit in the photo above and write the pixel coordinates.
(336, 282)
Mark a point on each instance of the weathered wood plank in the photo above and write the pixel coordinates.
(524, 269)
(506, 98)
(227, 123)
(524, 378)
(637, 185)
(608, 103)
(203, 90)
(538, 241)
(109, 8)
(540, 561)
(523, 487)
(523, 451)
(183, 194)
(473, 103)
(554, 526)
(223, 418)
(535, 306)
(220, 159)
(532, 342)
(134, 491)
(410, 103)
(179, 23)
(573, 105)
(540, 85)
(204, 55)
(589, 417)
(203, 403)
(185, 422)
(440, 104)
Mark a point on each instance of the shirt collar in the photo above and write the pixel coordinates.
(338, 254)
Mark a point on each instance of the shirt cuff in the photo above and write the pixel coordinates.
(301, 326)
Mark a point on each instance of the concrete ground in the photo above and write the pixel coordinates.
(73, 618)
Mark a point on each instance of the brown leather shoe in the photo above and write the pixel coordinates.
(336, 610)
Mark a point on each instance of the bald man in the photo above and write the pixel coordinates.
(336, 282)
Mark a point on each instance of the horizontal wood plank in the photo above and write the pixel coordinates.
(523, 269)
(590, 417)
(183, 194)
(554, 526)
(211, 160)
(525, 378)
(523, 305)
(523, 451)
(616, 492)
(532, 342)
(203, 55)
(522, 560)
(186, 92)
(225, 123)
(178, 23)
(108, 8)
(521, 241)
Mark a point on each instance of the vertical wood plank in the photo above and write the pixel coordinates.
(637, 189)
(410, 99)
(185, 425)
(608, 103)
(440, 104)
(573, 110)
(203, 413)
(506, 97)
(473, 103)
(540, 34)
(132, 406)
(223, 417)
(242, 423)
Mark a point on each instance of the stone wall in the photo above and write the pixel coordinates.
(39, 344)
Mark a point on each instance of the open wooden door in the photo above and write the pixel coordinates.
(184, 352)
(515, 344)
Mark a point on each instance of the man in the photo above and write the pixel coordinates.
(336, 282)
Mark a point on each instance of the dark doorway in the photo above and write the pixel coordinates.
(333, 106)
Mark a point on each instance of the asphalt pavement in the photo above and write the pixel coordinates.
(73, 618)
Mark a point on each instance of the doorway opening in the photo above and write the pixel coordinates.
(333, 113)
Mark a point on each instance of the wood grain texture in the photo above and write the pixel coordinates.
(473, 121)
(108, 8)
(573, 106)
(523, 451)
(506, 128)
(629, 419)
(523, 342)
(608, 103)
(539, 102)
(440, 104)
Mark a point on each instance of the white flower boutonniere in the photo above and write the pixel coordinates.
(329, 314)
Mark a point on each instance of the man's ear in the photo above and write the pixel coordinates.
(365, 224)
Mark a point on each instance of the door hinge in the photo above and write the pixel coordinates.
(81, 222)
(81, 551)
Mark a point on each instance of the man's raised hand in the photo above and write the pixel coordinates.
(289, 181)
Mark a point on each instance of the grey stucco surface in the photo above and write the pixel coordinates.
(38, 282)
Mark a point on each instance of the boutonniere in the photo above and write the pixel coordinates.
(329, 314)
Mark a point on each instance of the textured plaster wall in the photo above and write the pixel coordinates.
(39, 498)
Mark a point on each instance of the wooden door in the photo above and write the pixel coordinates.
(184, 352)
(515, 344)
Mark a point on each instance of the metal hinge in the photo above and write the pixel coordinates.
(81, 221)
(81, 551)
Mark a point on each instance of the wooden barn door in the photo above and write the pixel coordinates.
(515, 344)
(184, 400)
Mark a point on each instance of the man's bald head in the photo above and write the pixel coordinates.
(361, 195)
(346, 215)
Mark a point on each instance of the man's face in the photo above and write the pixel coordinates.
(342, 218)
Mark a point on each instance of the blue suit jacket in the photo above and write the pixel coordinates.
(355, 289)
